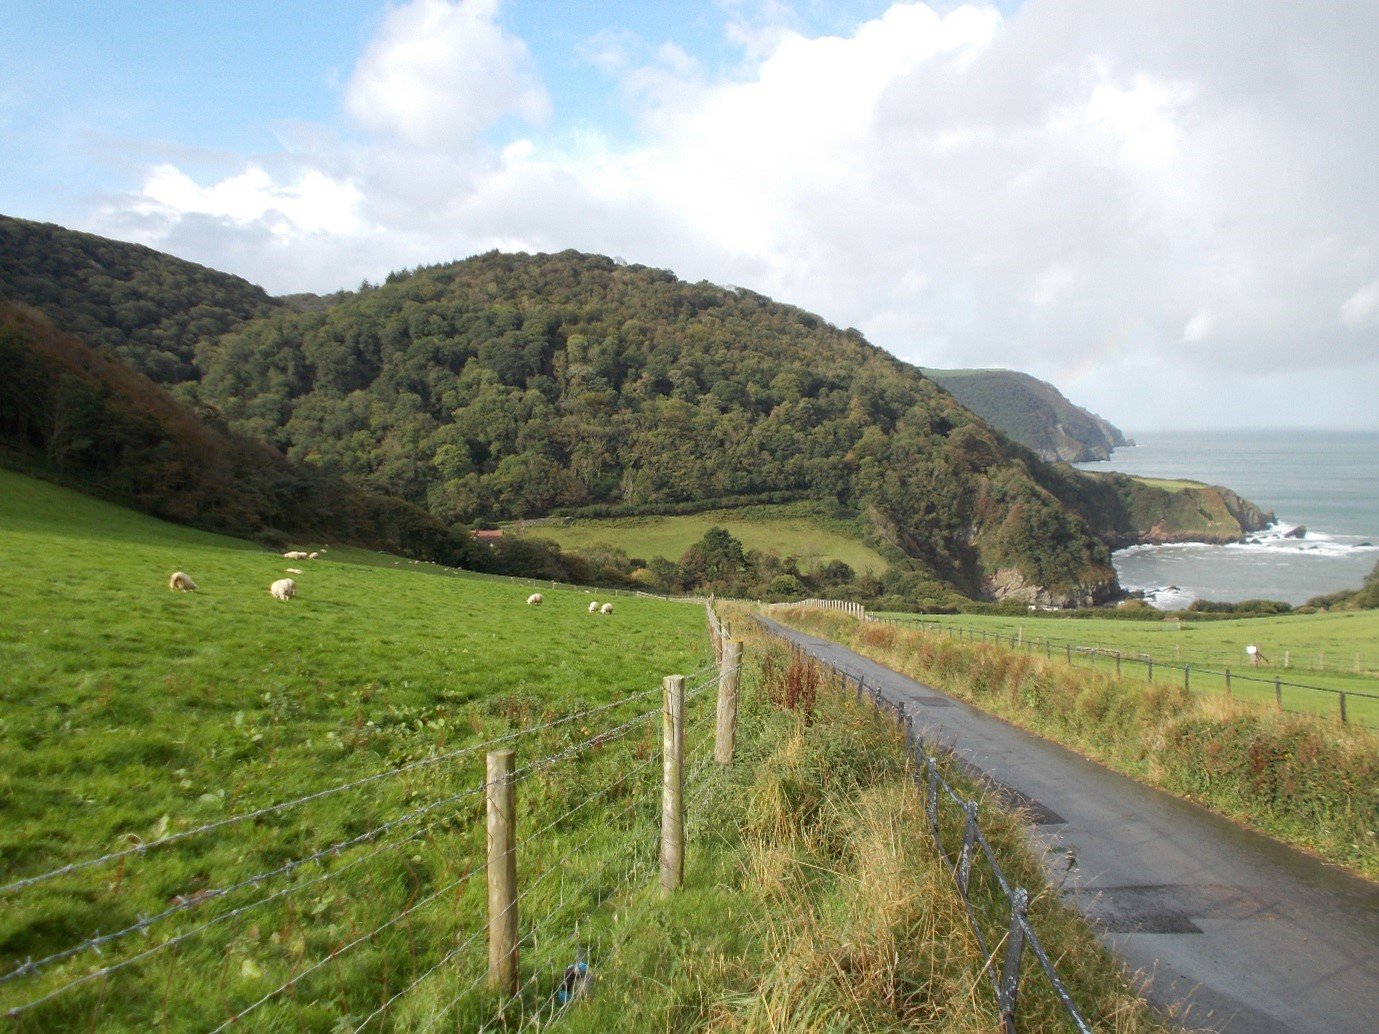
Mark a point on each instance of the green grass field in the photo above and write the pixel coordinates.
(790, 530)
(130, 712)
(297, 818)
(1298, 649)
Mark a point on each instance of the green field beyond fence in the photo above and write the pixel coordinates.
(1205, 657)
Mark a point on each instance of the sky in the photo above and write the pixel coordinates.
(1168, 209)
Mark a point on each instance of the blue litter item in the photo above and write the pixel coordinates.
(575, 983)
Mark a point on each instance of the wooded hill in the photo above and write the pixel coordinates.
(510, 386)
(1033, 413)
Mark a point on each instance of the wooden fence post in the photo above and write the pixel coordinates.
(502, 873)
(725, 735)
(1278, 693)
(1344, 719)
(672, 784)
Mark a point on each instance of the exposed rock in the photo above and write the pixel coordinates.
(1300, 532)
(1009, 584)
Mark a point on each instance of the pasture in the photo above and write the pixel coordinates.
(790, 530)
(1338, 650)
(130, 713)
(222, 810)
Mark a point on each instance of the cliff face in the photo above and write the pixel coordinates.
(1033, 413)
(1129, 511)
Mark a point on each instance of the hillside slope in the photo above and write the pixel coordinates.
(511, 386)
(515, 386)
(1033, 413)
(93, 422)
(140, 305)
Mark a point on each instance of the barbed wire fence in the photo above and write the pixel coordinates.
(1287, 696)
(376, 920)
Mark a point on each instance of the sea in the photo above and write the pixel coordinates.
(1324, 481)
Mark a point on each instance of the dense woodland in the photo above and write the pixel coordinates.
(511, 386)
(91, 421)
(1033, 413)
(136, 304)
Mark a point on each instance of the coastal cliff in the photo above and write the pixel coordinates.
(1130, 511)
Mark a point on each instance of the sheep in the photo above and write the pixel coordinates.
(534, 600)
(294, 570)
(182, 581)
(283, 589)
(312, 556)
(607, 608)
(594, 607)
(295, 554)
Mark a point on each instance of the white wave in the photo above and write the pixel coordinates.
(1165, 597)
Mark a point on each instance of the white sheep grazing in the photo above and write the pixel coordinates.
(312, 556)
(534, 600)
(594, 607)
(607, 608)
(182, 581)
(294, 554)
(283, 589)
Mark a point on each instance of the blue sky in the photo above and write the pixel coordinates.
(1169, 212)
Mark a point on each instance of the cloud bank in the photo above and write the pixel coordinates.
(1170, 212)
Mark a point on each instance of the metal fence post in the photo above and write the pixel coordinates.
(1009, 988)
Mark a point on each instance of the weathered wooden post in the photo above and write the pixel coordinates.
(1187, 678)
(725, 735)
(1150, 662)
(673, 783)
(1117, 664)
(1070, 653)
(502, 873)
(1278, 692)
(1341, 697)
(1008, 993)
(1228, 682)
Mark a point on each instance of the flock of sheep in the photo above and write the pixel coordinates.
(282, 589)
(535, 600)
(286, 588)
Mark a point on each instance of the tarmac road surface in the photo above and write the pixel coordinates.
(1240, 932)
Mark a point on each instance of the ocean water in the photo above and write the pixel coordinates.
(1325, 481)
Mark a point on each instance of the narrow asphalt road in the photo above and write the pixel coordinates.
(1253, 936)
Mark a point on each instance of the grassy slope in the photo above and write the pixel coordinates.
(788, 530)
(130, 712)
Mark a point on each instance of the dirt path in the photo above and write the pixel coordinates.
(1255, 937)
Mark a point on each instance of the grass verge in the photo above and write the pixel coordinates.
(1315, 785)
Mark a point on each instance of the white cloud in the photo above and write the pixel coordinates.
(1361, 309)
(1079, 189)
(438, 74)
(315, 203)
